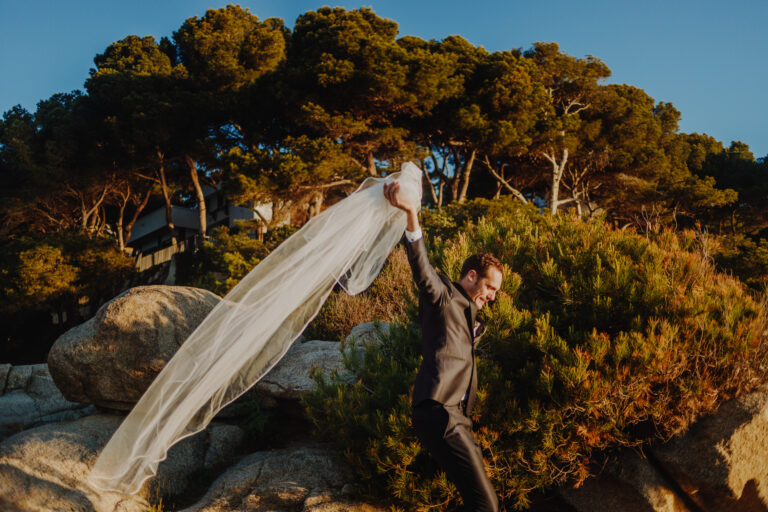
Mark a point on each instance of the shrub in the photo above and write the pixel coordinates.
(55, 267)
(61, 273)
(601, 338)
(227, 256)
(745, 258)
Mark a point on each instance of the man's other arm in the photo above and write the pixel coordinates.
(425, 275)
(427, 279)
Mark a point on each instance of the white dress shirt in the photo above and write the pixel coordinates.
(412, 236)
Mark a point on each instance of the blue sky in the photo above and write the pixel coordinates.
(706, 57)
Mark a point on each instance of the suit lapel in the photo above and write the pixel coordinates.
(470, 310)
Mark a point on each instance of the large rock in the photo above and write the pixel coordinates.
(307, 478)
(367, 334)
(722, 462)
(111, 359)
(289, 379)
(629, 484)
(28, 397)
(45, 468)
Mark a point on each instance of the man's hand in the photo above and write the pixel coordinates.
(397, 199)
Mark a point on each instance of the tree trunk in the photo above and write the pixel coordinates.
(465, 176)
(103, 224)
(199, 191)
(432, 193)
(87, 220)
(167, 198)
(120, 239)
(126, 198)
(83, 215)
(139, 209)
(371, 164)
(456, 177)
(440, 171)
(557, 174)
(93, 222)
(315, 204)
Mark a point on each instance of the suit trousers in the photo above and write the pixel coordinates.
(447, 435)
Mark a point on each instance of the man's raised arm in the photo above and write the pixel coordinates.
(427, 279)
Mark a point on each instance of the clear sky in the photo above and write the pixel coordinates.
(707, 57)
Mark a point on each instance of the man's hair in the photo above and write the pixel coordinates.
(480, 263)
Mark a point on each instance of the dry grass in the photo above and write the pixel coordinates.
(388, 300)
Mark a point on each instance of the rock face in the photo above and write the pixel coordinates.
(722, 462)
(308, 478)
(367, 333)
(289, 379)
(45, 468)
(630, 484)
(111, 359)
(719, 465)
(28, 397)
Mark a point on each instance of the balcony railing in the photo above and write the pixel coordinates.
(146, 261)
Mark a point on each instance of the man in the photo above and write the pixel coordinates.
(446, 384)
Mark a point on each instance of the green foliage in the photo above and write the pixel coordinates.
(229, 47)
(746, 258)
(302, 163)
(54, 273)
(227, 256)
(135, 55)
(298, 116)
(353, 81)
(58, 268)
(601, 338)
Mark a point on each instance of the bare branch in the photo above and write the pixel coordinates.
(574, 103)
(519, 195)
(327, 185)
(150, 178)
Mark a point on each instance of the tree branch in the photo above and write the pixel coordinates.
(327, 185)
(519, 195)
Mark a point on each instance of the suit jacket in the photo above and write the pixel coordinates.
(450, 333)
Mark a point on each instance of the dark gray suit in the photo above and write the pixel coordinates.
(447, 374)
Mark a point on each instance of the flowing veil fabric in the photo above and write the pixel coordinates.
(253, 326)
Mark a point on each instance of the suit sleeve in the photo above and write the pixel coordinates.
(425, 275)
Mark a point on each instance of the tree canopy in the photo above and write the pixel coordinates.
(296, 118)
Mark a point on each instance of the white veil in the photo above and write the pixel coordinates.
(253, 326)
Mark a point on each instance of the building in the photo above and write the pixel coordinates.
(151, 238)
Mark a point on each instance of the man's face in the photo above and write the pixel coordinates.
(482, 289)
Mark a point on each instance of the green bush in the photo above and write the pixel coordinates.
(227, 256)
(60, 273)
(746, 258)
(601, 338)
(51, 268)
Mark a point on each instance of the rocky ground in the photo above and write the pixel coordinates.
(56, 417)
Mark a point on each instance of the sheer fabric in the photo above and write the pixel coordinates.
(253, 326)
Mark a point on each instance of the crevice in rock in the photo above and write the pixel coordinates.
(674, 486)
